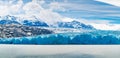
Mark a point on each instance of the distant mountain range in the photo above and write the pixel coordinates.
(14, 20)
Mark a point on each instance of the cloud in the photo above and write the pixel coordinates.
(8, 8)
(112, 2)
(66, 19)
(57, 6)
(50, 17)
(32, 7)
(100, 24)
(106, 26)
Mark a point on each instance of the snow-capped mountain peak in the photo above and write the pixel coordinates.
(74, 24)
(7, 17)
(35, 21)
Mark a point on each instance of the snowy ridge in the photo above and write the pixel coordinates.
(74, 24)
(17, 20)
(34, 21)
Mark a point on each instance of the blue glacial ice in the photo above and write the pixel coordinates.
(91, 37)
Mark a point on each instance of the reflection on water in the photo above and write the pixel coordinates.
(58, 56)
(64, 55)
(59, 51)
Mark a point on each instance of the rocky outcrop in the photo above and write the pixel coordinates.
(16, 30)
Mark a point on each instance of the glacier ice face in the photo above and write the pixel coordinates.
(93, 37)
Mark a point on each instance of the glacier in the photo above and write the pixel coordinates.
(84, 38)
(38, 32)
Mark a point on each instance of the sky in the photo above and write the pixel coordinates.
(102, 14)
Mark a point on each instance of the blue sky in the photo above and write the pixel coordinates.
(91, 10)
(102, 12)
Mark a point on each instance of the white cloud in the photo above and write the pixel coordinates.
(57, 6)
(32, 7)
(66, 19)
(106, 26)
(50, 17)
(8, 8)
(17, 8)
(112, 2)
(4, 10)
(94, 21)
(99, 24)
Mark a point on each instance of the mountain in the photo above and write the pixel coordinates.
(38, 22)
(8, 20)
(35, 23)
(14, 20)
(74, 24)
